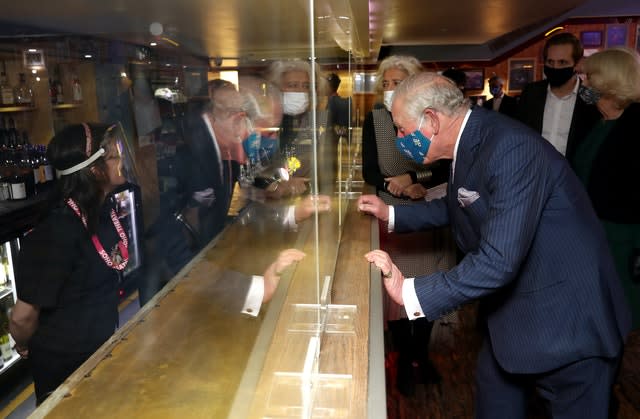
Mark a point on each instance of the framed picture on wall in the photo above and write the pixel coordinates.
(616, 35)
(638, 38)
(521, 72)
(475, 79)
(591, 39)
(33, 58)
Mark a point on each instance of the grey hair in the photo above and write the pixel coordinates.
(226, 101)
(406, 63)
(430, 90)
(278, 68)
(258, 96)
(497, 79)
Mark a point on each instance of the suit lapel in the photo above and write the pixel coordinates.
(469, 141)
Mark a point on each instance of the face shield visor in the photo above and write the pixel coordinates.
(114, 148)
(118, 155)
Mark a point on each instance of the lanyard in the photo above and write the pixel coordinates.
(123, 257)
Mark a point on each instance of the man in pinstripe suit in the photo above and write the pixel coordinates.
(535, 254)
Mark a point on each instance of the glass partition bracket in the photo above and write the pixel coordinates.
(309, 393)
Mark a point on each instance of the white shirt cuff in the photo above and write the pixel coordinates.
(253, 301)
(290, 218)
(410, 299)
(392, 219)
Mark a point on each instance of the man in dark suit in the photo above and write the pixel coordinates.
(552, 106)
(500, 102)
(214, 154)
(535, 254)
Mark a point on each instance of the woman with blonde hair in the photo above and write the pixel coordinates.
(606, 160)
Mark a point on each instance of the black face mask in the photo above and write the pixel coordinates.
(558, 76)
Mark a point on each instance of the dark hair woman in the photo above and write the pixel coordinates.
(67, 270)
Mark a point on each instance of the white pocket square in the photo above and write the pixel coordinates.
(466, 198)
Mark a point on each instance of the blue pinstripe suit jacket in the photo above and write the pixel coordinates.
(535, 253)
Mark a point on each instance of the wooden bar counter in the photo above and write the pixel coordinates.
(190, 353)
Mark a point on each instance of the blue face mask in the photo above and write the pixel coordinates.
(589, 95)
(495, 90)
(414, 145)
(259, 148)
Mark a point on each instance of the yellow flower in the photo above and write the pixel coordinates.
(293, 164)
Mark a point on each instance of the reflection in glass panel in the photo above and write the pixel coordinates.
(246, 144)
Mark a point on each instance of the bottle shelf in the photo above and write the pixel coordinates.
(6, 109)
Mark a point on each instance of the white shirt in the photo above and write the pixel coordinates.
(409, 297)
(497, 100)
(253, 301)
(558, 113)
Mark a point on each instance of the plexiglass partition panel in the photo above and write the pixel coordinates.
(239, 118)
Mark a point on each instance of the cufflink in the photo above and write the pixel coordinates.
(249, 310)
(417, 313)
(388, 274)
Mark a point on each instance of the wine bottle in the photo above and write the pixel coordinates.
(4, 266)
(18, 187)
(5, 342)
(77, 89)
(23, 92)
(53, 92)
(5, 347)
(6, 92)
(47, 168)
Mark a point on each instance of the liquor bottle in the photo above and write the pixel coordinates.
(36, 165)
(4, 273)
(12, 134)
(53, 92)
(5, 191)
(5, 347)
(5, 342)
(77, 89)
(6, 92)
(47, 168)
(18, 187)
(3, 135)
(58, 83)
(6, 353)
(23, 92)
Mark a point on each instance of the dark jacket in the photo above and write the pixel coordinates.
(209, 170)
(614, 178)
(508, 106)
(535, 252)
(531, 112)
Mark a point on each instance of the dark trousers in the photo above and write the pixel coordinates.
(579, 390)
(410, 338)
(50, 368)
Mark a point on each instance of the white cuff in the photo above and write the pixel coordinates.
(253, 301)
(410, 299)
(392, 219)
(205, 197)
(290, 218)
